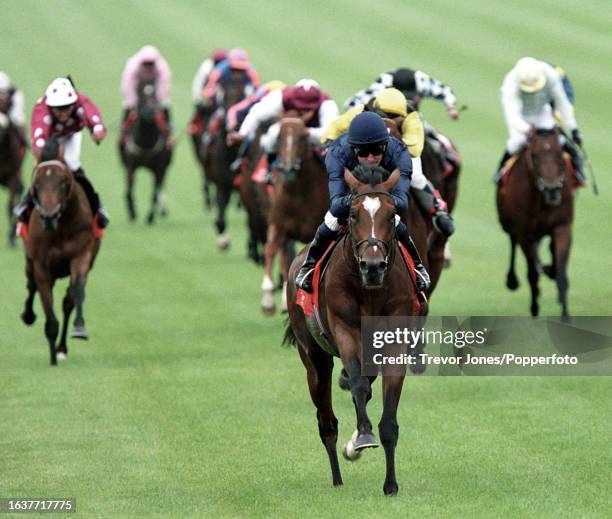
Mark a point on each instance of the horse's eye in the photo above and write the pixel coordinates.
(353, 216)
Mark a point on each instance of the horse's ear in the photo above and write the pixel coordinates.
(351, 181)
(390, 183)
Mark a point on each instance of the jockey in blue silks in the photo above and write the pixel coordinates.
(367, 142)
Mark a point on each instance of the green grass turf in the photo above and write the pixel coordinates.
(183, 404)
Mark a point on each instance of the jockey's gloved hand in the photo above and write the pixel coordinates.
(576, 137)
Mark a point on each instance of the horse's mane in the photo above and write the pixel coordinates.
(371, 175)
(51, 150)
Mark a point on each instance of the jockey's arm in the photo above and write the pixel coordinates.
(363, 96)
(338, 190)
(427, 86)
(128, 83)
(17, 112)
(92, 118)
(199, 80)
(562, 103)
(39, 129)
(340, 124)
(270, 106)
(513, 105)
(210, 88)
(328, 112)
(413, 134)
(400, 192)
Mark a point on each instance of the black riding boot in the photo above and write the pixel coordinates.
(577, 162)
(422, 276)
(93, 198)
(317, 248)
(498, 172)
(23, 210)
(431, 203)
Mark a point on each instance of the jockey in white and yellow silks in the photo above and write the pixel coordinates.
(391, 103)
(528, 94)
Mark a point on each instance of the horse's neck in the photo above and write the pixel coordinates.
(77, 204)
(146, 132)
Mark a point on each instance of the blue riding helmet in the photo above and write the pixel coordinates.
(367, 128)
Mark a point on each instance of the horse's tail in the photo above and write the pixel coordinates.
(289, 339)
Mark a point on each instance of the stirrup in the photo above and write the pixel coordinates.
(304, 279)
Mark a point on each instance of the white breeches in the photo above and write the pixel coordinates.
(269, 140)
(418, 180)
(72, 150)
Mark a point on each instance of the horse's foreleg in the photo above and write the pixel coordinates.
(268, 307)
(155, 198)
(285, 263)
(15, 191)
(67, 306)
(562, 239)
(511, 280)
(44, 283)
(531, 255)
(129, 195)
(388, 428)
(28, 316)
(223, 196)
(79, 269)
(319, 367)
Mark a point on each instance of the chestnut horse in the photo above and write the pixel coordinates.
(217, 157)
(11, 158)
(536, 200)
(60, 243)
(366, 276)
(147, 145)
(298, 204)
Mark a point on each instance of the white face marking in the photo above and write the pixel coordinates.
(371, 205)
(48, 173)
(289, 140)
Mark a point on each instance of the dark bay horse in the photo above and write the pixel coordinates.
(297, 205)
(446, 181)
(60, 243)
(147, 145)
(254, 197)
(219, 157)
(366, 275)
(536, 200)
(11, 158)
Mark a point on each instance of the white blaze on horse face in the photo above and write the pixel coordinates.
(371, 205)
(289, 140)
(48, 172)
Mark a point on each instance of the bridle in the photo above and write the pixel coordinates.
(551, 190)
(372, 241)
(50, 218)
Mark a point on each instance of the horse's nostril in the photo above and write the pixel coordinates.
(382, 266)
(363, 265)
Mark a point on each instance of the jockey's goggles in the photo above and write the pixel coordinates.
(365, 150)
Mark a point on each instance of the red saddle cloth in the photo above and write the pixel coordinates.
(23, 230)
(310, 302)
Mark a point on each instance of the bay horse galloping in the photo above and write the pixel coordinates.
(219, 156)
(534, 200)
(297, 205)
(147, 144)
(12, 152)
(60, 242)
(366, 276)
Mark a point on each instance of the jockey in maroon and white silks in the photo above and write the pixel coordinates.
(61, 114)
(48, 120)
(304, 96)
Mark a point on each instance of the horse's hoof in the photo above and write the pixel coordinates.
(365, 441)
(61, 355)
(79, 332)
(223, 243)
(343, 380)
(268, 310)
(512, 282)
(349, 452)
(28, 317)
(390, 489)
